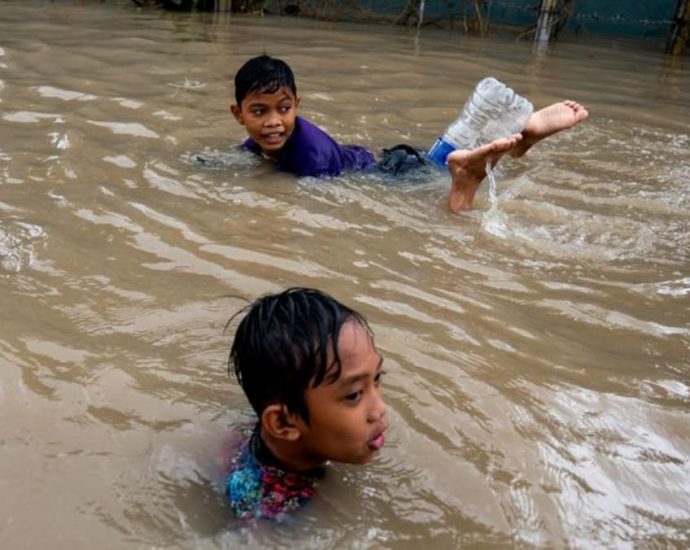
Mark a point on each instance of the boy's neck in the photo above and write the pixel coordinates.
(286, 454)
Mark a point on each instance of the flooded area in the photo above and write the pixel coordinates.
(538, 372)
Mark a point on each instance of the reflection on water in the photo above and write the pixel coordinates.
(537, 350)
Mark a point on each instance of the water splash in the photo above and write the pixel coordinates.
(494, 221)
(17, 245)
(492, 185)
(216, 159)
(188, 84)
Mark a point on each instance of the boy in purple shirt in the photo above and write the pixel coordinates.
(266, 105)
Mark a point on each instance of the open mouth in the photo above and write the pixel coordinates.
(377, 442)
(273, 138)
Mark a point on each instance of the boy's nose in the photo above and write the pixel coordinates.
(273, 119)
(378, 408)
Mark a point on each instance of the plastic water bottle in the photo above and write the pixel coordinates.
(493, 111)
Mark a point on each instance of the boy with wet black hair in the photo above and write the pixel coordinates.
(309, 368)
(266, 105)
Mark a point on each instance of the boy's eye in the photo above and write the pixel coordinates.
(379, 375)
(285, 109)
(257, 112)
(354, 397)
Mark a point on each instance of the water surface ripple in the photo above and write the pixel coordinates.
(537, 352)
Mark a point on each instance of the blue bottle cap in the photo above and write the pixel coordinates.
(439, 151)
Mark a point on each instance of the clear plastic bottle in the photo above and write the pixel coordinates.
(493, 111)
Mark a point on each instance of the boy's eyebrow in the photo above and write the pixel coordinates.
(256, 103)
(350, 380)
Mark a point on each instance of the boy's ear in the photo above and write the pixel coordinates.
(280, 423)
(237, 113)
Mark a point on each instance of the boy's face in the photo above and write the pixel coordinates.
(268, 118)
(348, 416)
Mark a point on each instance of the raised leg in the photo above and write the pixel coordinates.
(548, 121)
(468, 169)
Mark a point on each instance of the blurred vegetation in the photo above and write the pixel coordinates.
(237, 6)
(474, 18)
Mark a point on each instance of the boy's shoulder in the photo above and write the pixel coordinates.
(257, 489)
(308, 133)
(310, 151)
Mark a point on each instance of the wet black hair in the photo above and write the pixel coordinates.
(283, 345)
(263, 74)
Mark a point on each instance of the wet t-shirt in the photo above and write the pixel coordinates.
(312, 152)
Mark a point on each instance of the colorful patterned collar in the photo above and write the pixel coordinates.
(259, 486)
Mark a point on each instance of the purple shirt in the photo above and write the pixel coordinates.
(312, 152)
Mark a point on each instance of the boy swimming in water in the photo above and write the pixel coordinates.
(309, 368)
(266, 103)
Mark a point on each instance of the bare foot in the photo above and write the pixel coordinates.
(548, 121)
(468, 169)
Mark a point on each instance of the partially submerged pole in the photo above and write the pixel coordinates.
(680, 30)
(548, 16)
(420, 17)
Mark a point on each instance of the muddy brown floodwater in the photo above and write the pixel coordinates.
(537, 353)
